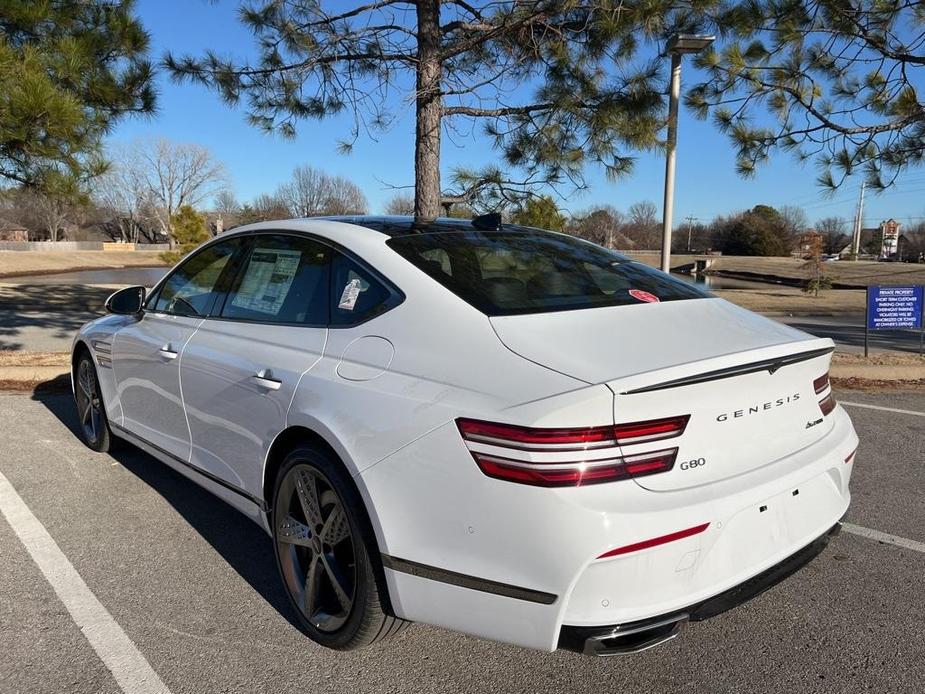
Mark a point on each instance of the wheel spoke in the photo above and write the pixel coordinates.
(332, 569)
(293, 532)
(83, 410)
(94, 420)
(85, 380)
(336, 528)
(307, 491)
(312, 583)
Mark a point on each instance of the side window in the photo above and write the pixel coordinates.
(284, 280)
(356, 294)
(192, 287)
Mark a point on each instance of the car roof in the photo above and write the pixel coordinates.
(400, 225)
(354, 227)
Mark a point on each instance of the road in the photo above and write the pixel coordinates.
(193, 587)
(848, 333)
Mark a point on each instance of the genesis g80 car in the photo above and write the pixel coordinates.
(504, 431)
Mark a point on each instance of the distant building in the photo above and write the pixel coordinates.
(13, 232)
(884, 241)
(889, 244)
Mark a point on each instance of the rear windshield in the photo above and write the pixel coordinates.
(504, 272)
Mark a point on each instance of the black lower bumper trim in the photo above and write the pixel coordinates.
(484, 585)
(576, 638)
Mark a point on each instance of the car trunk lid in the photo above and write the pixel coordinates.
(745, 381)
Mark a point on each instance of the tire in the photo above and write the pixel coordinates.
(327, 555)
(92, 424)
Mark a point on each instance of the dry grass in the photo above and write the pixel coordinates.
(17, 358)
(14, 263)
(861, 273)
(791, 300)
(879, 359)
(867, 385)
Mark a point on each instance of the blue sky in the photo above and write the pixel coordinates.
(707, 184)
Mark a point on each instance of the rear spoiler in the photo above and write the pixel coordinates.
(770, 365)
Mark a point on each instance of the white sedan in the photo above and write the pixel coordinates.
(500, 430)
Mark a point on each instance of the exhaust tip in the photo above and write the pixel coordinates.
(634, 638)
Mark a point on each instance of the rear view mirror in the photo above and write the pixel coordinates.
(126, 302)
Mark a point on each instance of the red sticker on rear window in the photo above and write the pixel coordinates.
(643, 296)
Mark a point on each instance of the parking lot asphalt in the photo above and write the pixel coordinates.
(193, 585)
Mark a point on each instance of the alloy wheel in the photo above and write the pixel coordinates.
(316, 548)
(88, 401)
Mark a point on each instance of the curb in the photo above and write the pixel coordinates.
(32, 373)
(26, 378)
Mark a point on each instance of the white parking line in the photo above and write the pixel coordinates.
(128, 666)
(903, 542)
(881, 408)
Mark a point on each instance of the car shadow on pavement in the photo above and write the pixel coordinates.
(246, 548)
(54, 311)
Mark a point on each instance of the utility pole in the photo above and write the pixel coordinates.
(858, 223)
(690, 223)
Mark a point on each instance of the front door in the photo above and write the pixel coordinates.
(241, 368)
(147, 354)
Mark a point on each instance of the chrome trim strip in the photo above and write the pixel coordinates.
(565, 465)
(769, 365)
(574, 464)
(484, 585)
(550, 447)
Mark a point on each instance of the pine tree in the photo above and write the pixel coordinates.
(189, 231)
(552, 83)
(840, 79)
(540, 212)
(68, 72)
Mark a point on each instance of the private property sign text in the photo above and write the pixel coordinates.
(891, 308)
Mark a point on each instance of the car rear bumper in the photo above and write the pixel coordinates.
(633, 637)
(521, 564)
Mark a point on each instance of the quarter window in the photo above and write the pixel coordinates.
(192, 287)
(285, 280)
(356, 294)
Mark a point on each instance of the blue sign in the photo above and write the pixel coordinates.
(891, 308)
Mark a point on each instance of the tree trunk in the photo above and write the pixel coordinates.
(428, 113)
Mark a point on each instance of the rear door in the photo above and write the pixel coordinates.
(147, 353)
(242, 366)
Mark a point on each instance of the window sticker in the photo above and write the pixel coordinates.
(267, 280)
(642, 295)
(348, 299)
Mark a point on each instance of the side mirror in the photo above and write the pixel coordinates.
(126, 302)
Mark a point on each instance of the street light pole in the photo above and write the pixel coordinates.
(690, 227)
(671, 146)
(678, 45)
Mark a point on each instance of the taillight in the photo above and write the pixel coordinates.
(593, 468)
(827, 404)
(576, 473)
(652, 430)
(850, 458)
(821, 383)
(528, 439)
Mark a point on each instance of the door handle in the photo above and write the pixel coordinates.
(264, 379)
(167, 353)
